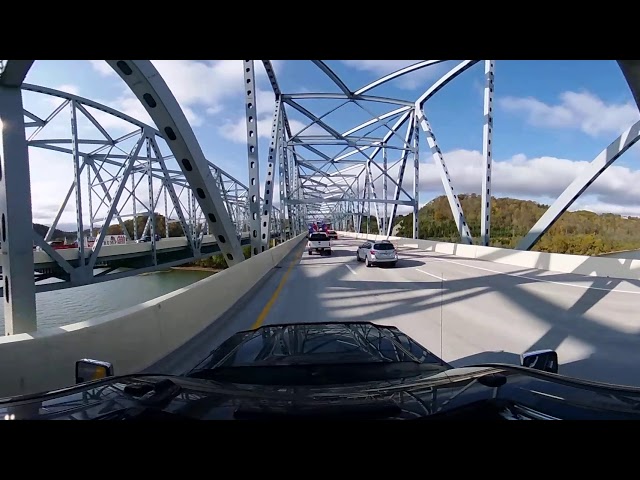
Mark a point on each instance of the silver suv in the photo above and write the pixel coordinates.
(376, 253)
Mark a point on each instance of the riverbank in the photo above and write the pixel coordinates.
(198, 269)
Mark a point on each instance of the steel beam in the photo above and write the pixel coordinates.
(385, 195)
(252, 147)
(151, 217)
(586, 177)
(416, 180)
(454, 202)
(487, 150)
(396, 194)
(16, 227)
(274, 151)
(77, 170)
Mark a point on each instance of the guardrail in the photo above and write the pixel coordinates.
(132, 339)
(557, 262)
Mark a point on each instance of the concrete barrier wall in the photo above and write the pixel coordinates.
(556, 262)
(131, 339)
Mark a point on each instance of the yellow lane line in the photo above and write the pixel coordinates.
(274, 297)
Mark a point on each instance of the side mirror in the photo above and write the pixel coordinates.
(545, 360)
(87, 370)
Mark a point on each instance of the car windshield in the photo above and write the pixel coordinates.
(383, 246)
(318, 236)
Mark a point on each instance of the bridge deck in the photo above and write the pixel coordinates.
(490, 312)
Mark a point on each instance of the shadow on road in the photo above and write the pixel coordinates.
(407, 263)
(614, 358)
(602, 368)
(597, 367)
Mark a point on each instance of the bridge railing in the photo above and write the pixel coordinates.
(556, 262)
(132, 339)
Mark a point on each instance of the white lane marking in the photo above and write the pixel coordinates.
(349, 267)
(431, 275)
(584, 287)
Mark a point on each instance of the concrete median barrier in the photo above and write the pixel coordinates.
(556, 262)
(131, 339)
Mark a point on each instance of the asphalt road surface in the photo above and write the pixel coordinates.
(465, 310)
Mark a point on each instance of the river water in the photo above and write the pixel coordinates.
(72, 305)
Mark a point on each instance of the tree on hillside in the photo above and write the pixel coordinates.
(580, 232)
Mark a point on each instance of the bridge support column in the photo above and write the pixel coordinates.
(487, 149)
(16, 227)
(274, 152)
(385, 196)
(416, 179)
(254, 165)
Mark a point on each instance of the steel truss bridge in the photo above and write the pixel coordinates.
(323, 173)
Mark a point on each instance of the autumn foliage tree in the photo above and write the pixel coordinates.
(579, 232)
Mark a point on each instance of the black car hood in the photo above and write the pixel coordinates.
(298, 371)
(491, 392)
(319, 344)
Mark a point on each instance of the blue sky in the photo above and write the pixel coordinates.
(550, 118)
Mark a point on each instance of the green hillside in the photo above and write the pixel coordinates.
(579, 233)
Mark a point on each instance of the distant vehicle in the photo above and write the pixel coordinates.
(147, 238)
(377, 253)
(319, 242)
(332, 234)
(60, 245)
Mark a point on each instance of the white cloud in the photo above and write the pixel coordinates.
(411, 81)
(524, 178)
(68, 88)
(102, 67)
(577, 110)
(202, 84)
(533, 178)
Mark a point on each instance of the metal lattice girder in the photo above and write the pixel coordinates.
(77, 182)
(454, 202)
(171, 191)
(403, 164)
(252, 150)
(116, 199)
(16, 230)
(586, 177)
(416, 179)
(151, 219)
(146, 83)
(103, 155)
(384, 190)
(487, 149)
(136, 165)
(274, 151)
